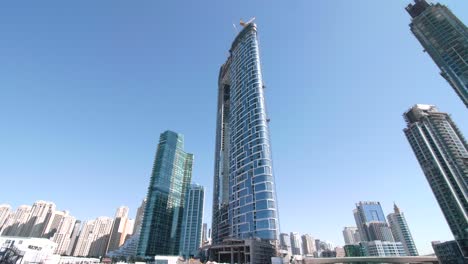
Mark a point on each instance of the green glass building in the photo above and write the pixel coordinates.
(445, 38)
(170, 179)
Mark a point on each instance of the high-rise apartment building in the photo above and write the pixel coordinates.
(83, 243)
(351, 235)
(129, 248)
(285, 244)
(63, 234)
(16, 221)
(41, 213)
(100, 236)
(296, 244)
(74, 238)
(205, 234)
(94, 237)
(445, 38)
(165, 203)
(308, 244)
(244, 200)
(54, 222)
(191, 238)
(371, 223)
(442, 152)
(401, 232)
(5, 211)
(120, 229)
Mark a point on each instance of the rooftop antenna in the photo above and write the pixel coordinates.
(242, 23)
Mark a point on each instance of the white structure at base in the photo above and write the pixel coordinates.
(32, 250)
(383, 248)
(167, 259)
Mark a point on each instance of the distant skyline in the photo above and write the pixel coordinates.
(87, 87)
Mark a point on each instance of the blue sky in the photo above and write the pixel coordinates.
(86, 87)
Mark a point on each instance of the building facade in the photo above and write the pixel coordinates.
(41, 213)
(63, 234)
(285, 244)
(382, 248)
(351, 235)
(165, 202)
(244, 202)
(5, 211)
(296, 244)
(308, 244)
(401, 231)
(445, 38)
(442, 152)
(120, 229)
(192, 223)
(371, 223)
(448, 252)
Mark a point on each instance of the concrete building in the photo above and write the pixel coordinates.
(74, 238)
(191, 238)
(401, 232)
(129, 248)
(93, 239)
(62, 235)
(121, 228)
(100, 236)
(5, 211)
(383, 248)
(41, 213)
(308, 244)
(54, 222)
(165, 202)
(442, 152)
(244, 200)
(445, 38)
(285, 244)
(351, 235)
(296, 243)
(16, 221)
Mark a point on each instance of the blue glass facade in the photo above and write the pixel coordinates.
(192, 222)
(244, 204)
(445, 38)
(371, 222)
(165, 202)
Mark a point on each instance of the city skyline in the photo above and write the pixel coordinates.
(277, 112)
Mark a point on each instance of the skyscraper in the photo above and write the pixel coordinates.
(5, 211)
(63, 234)
(351, 235)
(445, 38)
(285, 243)
(41, 213)
(296, 244)
(119, 229)
(16, 221)
(74, 238)
(308, 244)
(442, 152)
(244, 200)
(401, 232)
(191, 238)
(371, 222)
(172, 172)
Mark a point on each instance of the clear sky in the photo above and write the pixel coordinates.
(86, 87)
